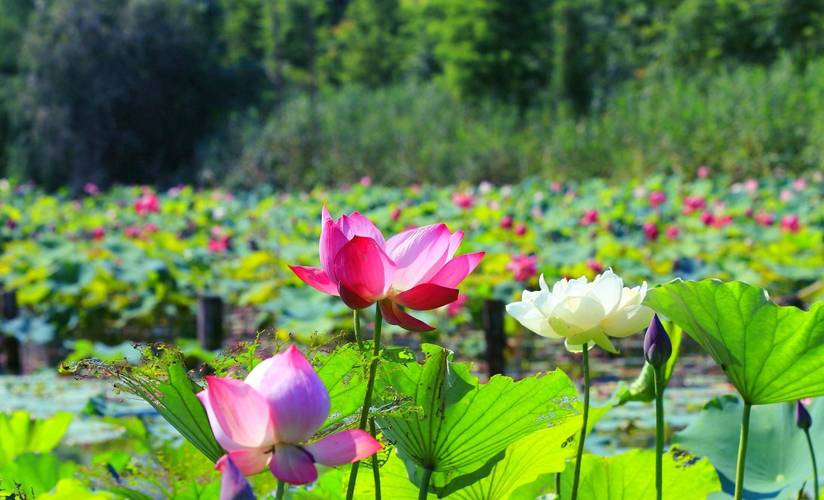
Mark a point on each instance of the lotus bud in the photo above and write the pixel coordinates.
(657, 345)
(802, 416)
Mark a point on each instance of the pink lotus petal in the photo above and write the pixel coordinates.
(457, 269)
(233, 486)
(363, 268)
(249, 461)
(225, 441)
(316, 278)
(353, 300)
(454, 242)
(297, 399)
(418, 254)
(344, 447)
(356, 224)
(426, 296)
(293, 465)
(241, 414)
(332, 240)
(394, 315)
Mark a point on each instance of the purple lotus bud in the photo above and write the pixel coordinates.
(802, 417)
(657, 345)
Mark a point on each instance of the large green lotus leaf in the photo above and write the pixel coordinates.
(35, 473)
(524, 472)
(342, 375)
(770, 353)
(777, 453)
(631, 475)
(176, 402)
(461, 428)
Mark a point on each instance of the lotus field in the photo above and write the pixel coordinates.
(192, 343)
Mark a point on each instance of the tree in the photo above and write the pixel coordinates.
(372, 42)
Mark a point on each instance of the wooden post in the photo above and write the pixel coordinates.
(493, 319)
(11, 346)
(210, 321)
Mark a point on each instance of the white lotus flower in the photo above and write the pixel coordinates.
(581, 311)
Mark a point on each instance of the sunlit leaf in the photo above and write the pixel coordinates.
(770, 353)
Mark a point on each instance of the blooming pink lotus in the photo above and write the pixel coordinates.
(463, 200)
(146, 203)
(657, 198)
(520, 229)
(765, 219)
(693, 203)
(703, 172)
(269, 419)
(590, 217)
(523, 267)
(415, 269)
(506, 222)
(790, 223)
(673, 232)
(650, 231)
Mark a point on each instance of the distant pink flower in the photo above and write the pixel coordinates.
(595, 266)
(650, 231)
(132, 231)
(90, 188)
(590, 217)
(146, 203)
(98, 233)
(523, 267)
(786, 195)
(463, 200)
(556, 187)
(703, 172)
(219, 245)
(751, 185)
(800, 184)
(520, 229)
(454, 308)
(396, 214)
(415, 269)
(673, 232)
(268, 421)
(365, 181)
(707, 218)
(694, 203)
(506, 222)
(657, 198)
(764, 219)
(722, 220)
(150, 228)
(790, 223)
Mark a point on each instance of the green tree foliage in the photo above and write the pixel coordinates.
(14, 16)
(373, 50)
(114, 91)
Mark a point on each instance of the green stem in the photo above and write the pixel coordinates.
(659, 431)
(279, 493)
(424, 491)
(742, 452)
(576, 478)
(557, 486)
(356, 323)
(376, 467)
(367, 398)
(815, 466)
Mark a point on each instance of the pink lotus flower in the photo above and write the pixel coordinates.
(219, 241)
(523, 267)
(365, 181)
(707, 218)
(693, 203)
(90, 188)
(146, 203)
(132, 231)
(520, 229)
(463, 200)
(415, 269)
(595, 266)
(673, 232)
(703, 172)
(800, 184)
(98, 233)
(590, 217)
(751, 185)
(764, 219)
(556, 187)
(233, 485)
(506, 222)
(650, 231)
(786, 195)
(790, 223)
(396, 214)
(657, 198)
(268, 420)
(454, 308)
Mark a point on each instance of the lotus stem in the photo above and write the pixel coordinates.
(356, 323)
(558, 485)
(281, 491)
(815, 466)
(376, 468)
(367, 398)
(742, 452)
(424, 491)
(659, 431)
(576, 478)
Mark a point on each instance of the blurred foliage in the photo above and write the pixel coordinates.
(292, 91)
